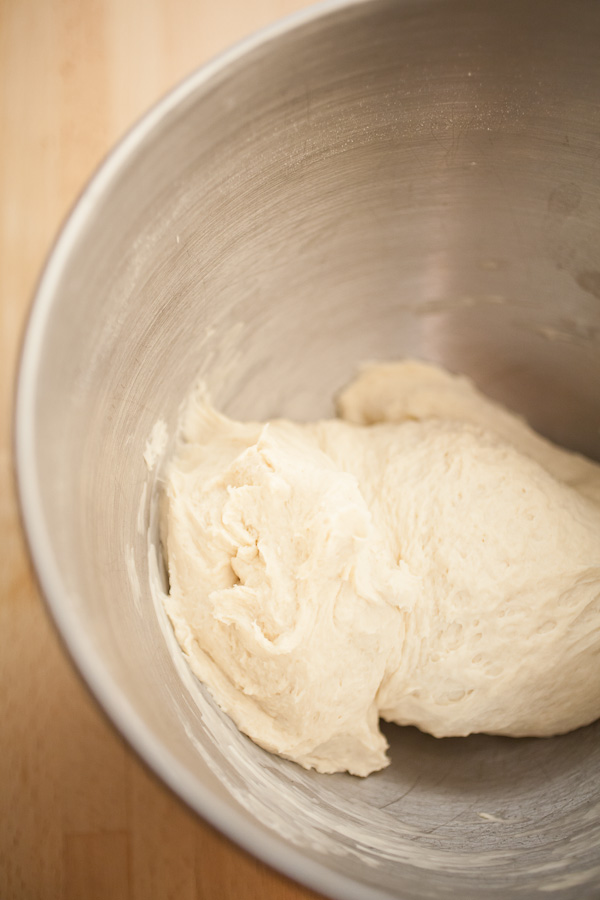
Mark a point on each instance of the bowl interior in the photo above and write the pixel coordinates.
(383, 179)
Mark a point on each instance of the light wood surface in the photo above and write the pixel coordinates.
(80, 817)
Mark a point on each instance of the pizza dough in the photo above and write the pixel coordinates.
(426, 558)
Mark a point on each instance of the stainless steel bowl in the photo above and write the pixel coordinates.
(364, 180)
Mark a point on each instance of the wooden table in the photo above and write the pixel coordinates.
(80, 817)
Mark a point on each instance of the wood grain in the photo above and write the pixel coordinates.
(81, 818)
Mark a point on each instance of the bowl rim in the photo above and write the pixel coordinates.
(88, 663)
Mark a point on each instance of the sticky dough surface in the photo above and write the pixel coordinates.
(425, 558)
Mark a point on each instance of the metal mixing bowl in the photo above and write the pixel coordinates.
(366, 180)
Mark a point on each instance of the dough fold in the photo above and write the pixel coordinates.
(425, 558)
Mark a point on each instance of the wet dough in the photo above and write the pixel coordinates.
(425, 558)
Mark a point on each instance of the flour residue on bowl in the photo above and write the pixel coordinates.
(156, 444)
